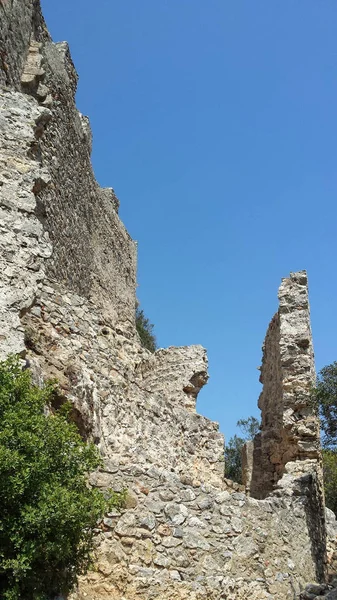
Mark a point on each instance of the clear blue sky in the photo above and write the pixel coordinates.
(215, 122)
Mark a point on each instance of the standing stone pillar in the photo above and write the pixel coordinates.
(290, 429)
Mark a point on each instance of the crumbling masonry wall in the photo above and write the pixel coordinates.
(92, 253)
(290, 428)
(289, 440)
(67, 306)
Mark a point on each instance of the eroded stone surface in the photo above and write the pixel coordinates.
(234, 547)
(290, 429)
(23, 242)
(136, 405)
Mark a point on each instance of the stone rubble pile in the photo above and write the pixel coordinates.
(321, 591)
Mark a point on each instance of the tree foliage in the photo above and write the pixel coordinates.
(233, 460)
(47, 509)
(250, 427)
(325, 400)
(145, 331)
(326, 403)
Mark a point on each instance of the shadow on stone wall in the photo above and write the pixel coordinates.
(309, 488)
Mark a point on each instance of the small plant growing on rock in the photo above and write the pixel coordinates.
(48, 510)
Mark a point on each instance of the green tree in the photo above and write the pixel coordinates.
(47, 510)
(145, 331)
(325, 399)
(250, 427)
(325, 396)
(233, 461)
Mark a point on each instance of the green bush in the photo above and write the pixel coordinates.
(145, 331)
(47, 510)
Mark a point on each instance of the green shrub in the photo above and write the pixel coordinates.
(145, 331)
(47, 510)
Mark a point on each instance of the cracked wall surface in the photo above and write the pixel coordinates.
(67, 305)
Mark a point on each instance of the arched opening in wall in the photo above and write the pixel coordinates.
(192, 389)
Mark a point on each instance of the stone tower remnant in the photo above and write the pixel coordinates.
(290, 427)
(67, 305)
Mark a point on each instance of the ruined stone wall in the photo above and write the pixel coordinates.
(67, 304)
(92, 252)
(23, 243)
(68, 276)
(183, 534)
(199, 542)
(19, 20)
(85, 228)
(289, 429)
(137, 406)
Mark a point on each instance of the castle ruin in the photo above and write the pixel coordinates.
(67, 305)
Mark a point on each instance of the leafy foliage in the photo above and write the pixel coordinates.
(325, 403)
(233, 461)
(145, 331)
(250, 427)
(47, 509)
(325, 396)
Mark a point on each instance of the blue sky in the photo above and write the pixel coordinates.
(215, 122)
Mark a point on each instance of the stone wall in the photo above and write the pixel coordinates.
(24, 244)
(183, 534)
(199, 542)
(289, 429)
(67, 305)
(85, 228)
(19, 20)
(137, 406)
(92, 252)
